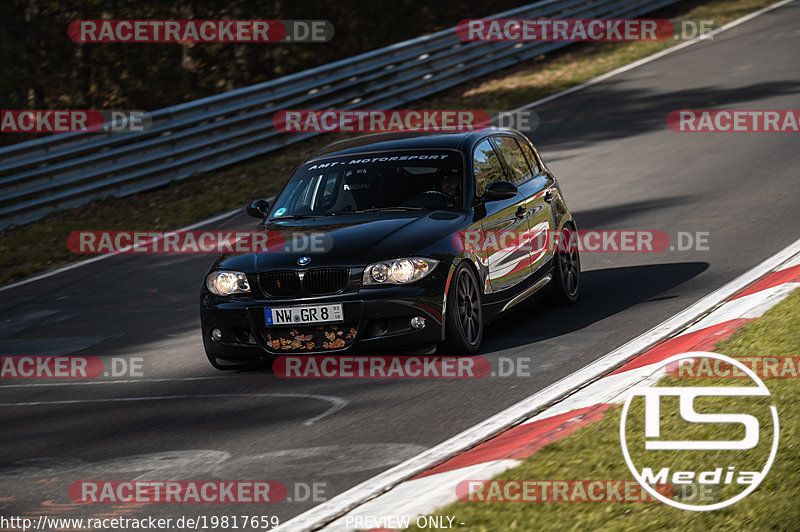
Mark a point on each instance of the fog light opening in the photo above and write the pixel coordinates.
(417, 322)
(216, 335)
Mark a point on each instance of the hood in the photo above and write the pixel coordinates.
(350, 240)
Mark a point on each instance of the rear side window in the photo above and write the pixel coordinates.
(486, 166)
(515, 160)
(531, 157)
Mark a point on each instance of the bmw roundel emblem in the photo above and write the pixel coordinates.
(302, 261)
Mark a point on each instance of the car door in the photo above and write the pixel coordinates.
(535, 186)
(503, 222)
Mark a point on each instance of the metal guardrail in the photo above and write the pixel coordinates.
(71, 169)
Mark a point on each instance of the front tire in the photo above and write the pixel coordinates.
(464, 319)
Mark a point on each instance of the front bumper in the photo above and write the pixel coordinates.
(376, 319)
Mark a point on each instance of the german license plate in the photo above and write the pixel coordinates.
(304, 315)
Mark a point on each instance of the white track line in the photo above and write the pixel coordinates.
(792, 263)
(749, 307)
(337, 402)
(658, 55)
(75, 265)
(89, 382)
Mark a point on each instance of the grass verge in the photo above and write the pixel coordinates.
(594, 453)
(32, 248)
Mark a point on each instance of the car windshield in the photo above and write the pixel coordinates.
(398, 181)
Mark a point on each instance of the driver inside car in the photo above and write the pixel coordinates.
(451, 185)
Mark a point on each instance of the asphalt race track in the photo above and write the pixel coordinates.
(620, 167)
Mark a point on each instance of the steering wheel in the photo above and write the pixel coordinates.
(432, 199)
(445, 196)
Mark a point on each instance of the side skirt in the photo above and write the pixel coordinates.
(495, 304)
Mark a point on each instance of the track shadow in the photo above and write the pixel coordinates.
(604, 293)
(614, 111)
(606, 217)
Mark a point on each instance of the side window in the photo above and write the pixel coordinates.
(486, 166)
(515, 160)
(532, 160)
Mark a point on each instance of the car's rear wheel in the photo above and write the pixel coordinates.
(567, 268)
(464, 319)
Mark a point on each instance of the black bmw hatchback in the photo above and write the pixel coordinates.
(421, 239)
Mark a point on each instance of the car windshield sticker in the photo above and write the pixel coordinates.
(280, 211)
(418, 157)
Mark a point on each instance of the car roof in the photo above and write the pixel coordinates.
(458, 140)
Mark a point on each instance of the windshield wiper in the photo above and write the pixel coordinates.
(339, 213)
(388, 209)
(299, 216)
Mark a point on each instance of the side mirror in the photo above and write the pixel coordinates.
(258, 209)
(499, 190)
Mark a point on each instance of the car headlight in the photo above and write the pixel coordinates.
(225, 283)
(398, 271)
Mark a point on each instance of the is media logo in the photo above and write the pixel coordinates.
(696, 437)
